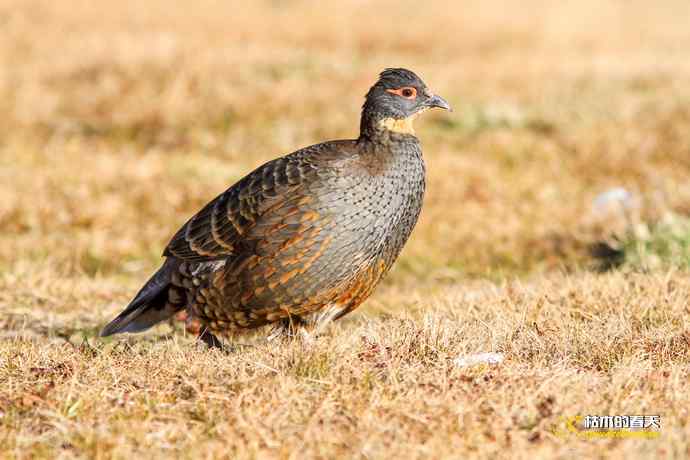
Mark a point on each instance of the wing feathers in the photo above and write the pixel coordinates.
(269, 195)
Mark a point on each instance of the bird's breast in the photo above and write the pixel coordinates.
(373, 211)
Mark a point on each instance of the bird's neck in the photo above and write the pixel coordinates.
(381, 129)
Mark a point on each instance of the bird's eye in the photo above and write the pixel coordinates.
(408, 92)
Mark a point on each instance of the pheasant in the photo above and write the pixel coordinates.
(303, 239)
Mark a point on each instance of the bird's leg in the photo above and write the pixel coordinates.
(323, 318)
(288, 327)
(211, 340)
(307, 329)
(317, 324)
(287, 330)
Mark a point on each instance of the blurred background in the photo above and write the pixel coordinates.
(569, 148)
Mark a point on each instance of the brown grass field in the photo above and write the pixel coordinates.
(119, 119)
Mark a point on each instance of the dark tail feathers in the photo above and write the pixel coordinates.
(156, 301)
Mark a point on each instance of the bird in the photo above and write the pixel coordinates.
(305, 238)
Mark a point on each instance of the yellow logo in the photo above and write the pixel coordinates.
(567, 426)
(577, 426)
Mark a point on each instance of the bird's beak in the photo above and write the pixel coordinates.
(438, 101)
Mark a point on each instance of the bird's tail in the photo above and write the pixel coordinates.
(158, 300)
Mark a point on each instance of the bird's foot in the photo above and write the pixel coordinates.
(212, 341)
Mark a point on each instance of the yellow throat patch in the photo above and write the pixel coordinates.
(401, 125)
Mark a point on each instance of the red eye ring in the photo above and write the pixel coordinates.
(408, 92)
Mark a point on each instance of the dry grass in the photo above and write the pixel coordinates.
(119, 119)
(375, 387)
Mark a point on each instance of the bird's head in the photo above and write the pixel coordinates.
(394, 102)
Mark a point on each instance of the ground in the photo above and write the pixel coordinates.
(554, 231)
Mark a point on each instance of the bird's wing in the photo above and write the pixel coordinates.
(274, 195)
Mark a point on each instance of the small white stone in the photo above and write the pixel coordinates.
(616, 198)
